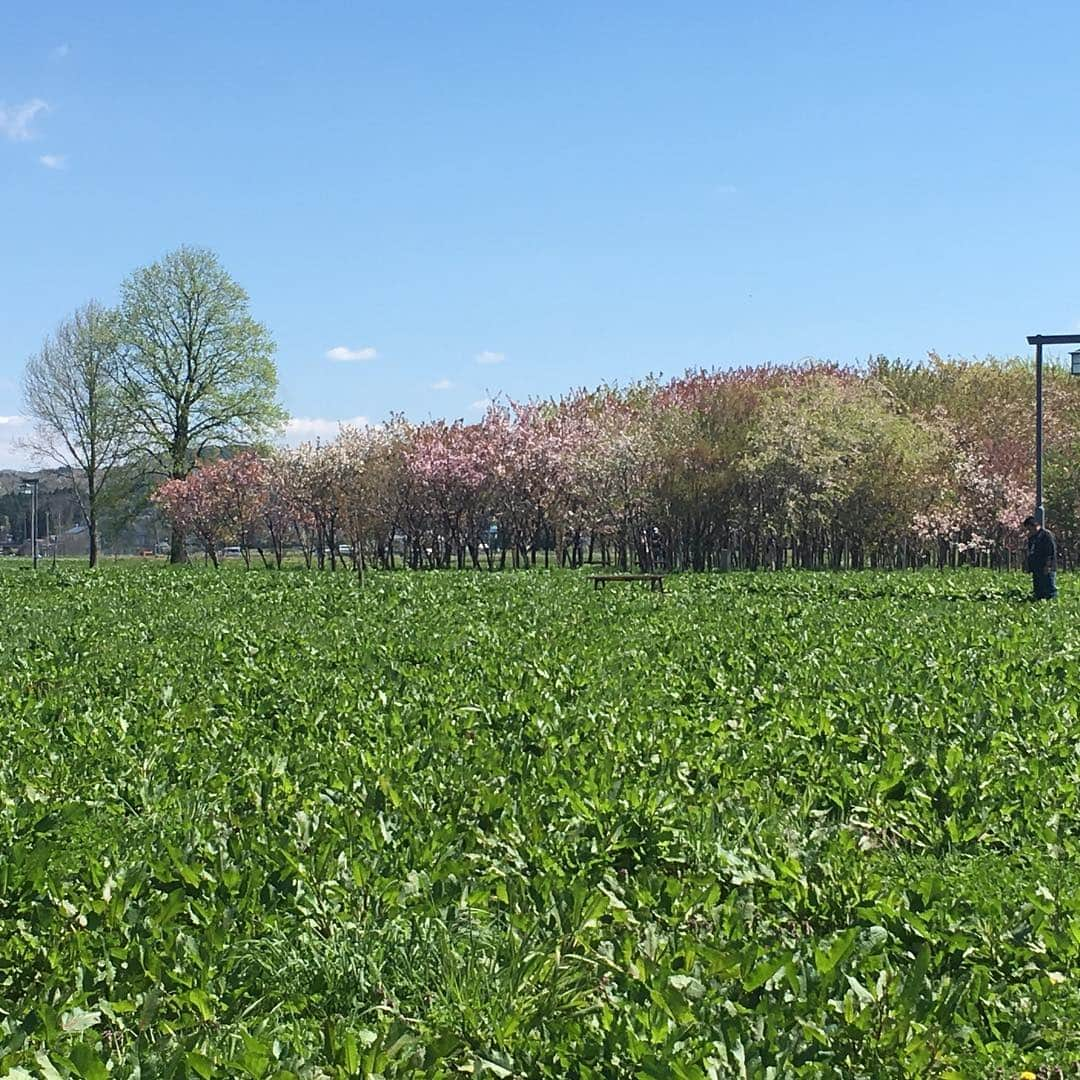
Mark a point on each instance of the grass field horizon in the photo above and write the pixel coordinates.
(766, 824)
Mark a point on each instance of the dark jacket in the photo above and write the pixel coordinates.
(1042, 553)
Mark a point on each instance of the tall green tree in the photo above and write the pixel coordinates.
(199, 370)
(72, 392)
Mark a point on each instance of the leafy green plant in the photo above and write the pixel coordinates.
(276, 825)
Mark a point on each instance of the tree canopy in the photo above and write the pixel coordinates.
(199, 369)
(72, 392)
(886, 465)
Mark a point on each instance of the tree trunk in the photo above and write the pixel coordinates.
(92, 525)
(177, 551)
(180, 469)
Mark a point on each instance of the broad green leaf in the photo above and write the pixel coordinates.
(828, 958)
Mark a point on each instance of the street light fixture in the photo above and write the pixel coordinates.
(30, 487)
(1039, 340)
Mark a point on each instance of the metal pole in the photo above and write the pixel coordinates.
(1039, 340)
(35, 524)
(1040, 510)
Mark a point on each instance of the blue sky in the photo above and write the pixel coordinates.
(571, 192)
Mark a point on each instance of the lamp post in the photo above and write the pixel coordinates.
(30, 488)
(1039, 340)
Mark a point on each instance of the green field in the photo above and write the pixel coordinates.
(258, 824)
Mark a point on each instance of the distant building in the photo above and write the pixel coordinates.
(75, 541)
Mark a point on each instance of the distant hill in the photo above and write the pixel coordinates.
(50, 480)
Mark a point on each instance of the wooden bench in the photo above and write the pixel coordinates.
(656, 581)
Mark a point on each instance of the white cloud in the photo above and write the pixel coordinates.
(481, 405)
(489, 357)
(306, 428)
(12, 457)
(54, 161)
(442, 384)
(342, 353)
(15, 120)
(61, 51)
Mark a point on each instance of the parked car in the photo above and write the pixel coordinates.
(232, 553)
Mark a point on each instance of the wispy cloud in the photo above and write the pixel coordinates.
(305, 428)
(489, 357)
(481, 405)
(725, 189)
(442, 384)
(15, 120)
(61, 52)
(54, 161)
(343, 354)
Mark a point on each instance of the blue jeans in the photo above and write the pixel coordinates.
(1044, 586)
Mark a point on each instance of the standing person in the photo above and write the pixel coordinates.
(1041, 560)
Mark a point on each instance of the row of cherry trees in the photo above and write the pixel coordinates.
(817, 466)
